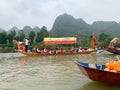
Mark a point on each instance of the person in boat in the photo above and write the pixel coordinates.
(61, 51)
(54, 51)
(113, 42)
(79, 50)
(37, 50)
(26, 44)
(71, 50)
(33, 50)
(50, 51)
(45, 50)
(84, 49)
(94, 41)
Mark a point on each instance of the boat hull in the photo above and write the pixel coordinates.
(113, 50)
(100, 75)
(32, 54)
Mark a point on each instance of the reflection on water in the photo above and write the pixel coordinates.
(48, 73)
(22, 65)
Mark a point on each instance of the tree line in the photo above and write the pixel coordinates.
(6, 39)
(6, 44)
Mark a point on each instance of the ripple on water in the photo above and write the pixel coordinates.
(45, 73)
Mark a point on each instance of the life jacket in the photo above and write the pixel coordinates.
(113, 65)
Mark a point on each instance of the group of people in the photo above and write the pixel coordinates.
(60, 50)
(24, 46)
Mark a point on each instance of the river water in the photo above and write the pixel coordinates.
(19, 72)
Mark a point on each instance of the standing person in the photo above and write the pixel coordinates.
(26, 44)
(94, 41)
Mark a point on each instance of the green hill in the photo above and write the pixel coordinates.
(67, 25)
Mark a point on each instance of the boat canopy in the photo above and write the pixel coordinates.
(64, 40)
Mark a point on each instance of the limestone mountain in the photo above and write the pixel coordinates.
(108, 27)
(36, 29)
(27, 30)
(13, 29)
(66, 25)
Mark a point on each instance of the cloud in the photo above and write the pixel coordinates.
(44, 12)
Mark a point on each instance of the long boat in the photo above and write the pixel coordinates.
(33, 54)
(113, 50)
(54, 41)
(97, 72)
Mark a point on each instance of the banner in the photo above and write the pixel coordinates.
(65, 40)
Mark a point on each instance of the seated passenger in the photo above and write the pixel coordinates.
(61, 51)
(33, 50)
(37, 50)
(50, 51)
(79, 50)
(54, 51)
(71, 50)
(45, 50)
(84, 50)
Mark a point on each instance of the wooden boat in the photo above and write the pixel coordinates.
(113, 50)
(33, 54)
(96, 72)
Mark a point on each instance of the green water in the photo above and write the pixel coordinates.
(18, 72)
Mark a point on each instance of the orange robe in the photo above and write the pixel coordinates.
(94, 42)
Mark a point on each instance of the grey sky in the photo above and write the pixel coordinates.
(44, 12)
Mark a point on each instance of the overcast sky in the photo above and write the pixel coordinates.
(44, 12)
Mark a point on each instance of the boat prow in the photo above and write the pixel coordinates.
(96, 72)
(113, 50)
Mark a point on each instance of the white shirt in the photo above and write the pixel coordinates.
(26, 41)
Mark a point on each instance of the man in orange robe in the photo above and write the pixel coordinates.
(94, 41)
